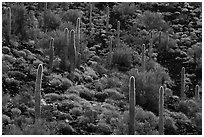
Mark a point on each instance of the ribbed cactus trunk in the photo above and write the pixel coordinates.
(197, 92)
(132, 105)
(66, 48)
(51, 54)
(72, 54)
(151, 46)
(90, 18)
(118, 34)
(161, 110)
(143, 57)
(107, 19)
(182, 83)
(9, 24)
(38, 93)
(78, 55)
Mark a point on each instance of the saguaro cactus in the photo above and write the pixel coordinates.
(107, 19)
(51, 53)
(66, 48)
(118, 33)
(143, 57)
(90, 18)
(72, 54)
(160, 39)
(197, 92)
(182, 83)
(78, 35)
(45, 20)
(38, 93)
(9, 24)
(161, 110)
(131, 105)
(151, 46)
(110, 47)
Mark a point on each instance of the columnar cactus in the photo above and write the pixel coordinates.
(197, 92)
(151, 46)
(9, 24)
(143, 57)
(51, 53)
(66, 48)
(38, 93)
(90, 17)
(107, 19)
(78, 35)
(131, 105)
(118, 33)
(182, 83)
(161, 110)
(72, 54)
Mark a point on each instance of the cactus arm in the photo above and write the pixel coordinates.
(107, 19)
(72, 54)
(131, 105)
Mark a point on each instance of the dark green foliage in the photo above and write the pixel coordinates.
(52, 19)
(71, 16)
(122, 58)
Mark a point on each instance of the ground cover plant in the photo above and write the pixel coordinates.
(99, 68)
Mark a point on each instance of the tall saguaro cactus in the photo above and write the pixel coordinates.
(38, 92)
(90, 18)
(110, 46)
(66, 48)
(151, 46)
(167, 40)
(51, 53)
(197, 92)
(118, 33)
(45, 20)
(78, 35)
(72, 54)
(182, 83)
(160, 39)
(131, 105)
(143, 57)
(107, 19)
(9, 24)
(161, 110)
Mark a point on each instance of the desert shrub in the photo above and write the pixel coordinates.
(125, 8)
(53, 20)
(65, 129)
(71, 15)
(103, 129)
(147, 87)
(152, 20)
(188, 107)
(122, 58)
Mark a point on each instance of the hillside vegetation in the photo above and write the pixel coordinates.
(102, 68)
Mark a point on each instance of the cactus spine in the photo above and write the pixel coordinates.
(161, 110)
(182, 82)
(107, 19)
(131, 105)
(72, 54)
(38, 93)
(51, 50)
(143, 57)
(9, 24)
(197, 92)
(118, 33)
